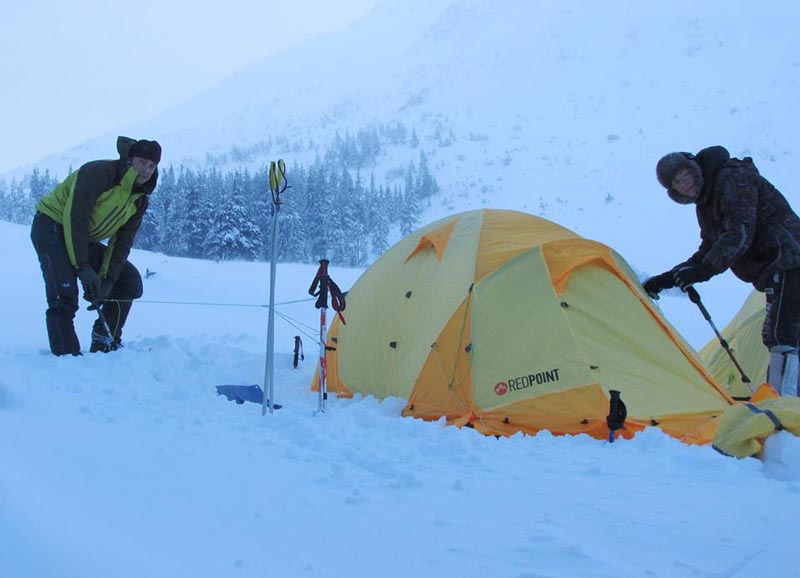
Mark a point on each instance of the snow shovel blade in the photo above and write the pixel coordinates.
(243, 393)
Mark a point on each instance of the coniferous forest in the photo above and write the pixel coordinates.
(333, 208)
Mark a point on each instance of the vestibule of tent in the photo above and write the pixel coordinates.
(507, 322)
(743, 335)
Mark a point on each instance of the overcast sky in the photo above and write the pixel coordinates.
(73, 70)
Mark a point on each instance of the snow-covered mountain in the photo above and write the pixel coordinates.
(559, 108)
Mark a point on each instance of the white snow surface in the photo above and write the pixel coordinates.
(130, 465)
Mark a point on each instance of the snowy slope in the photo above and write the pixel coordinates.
(558, 108)
(129, 464)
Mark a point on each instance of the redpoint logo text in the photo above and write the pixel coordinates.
(526, 381)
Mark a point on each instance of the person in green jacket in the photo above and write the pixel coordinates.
(104, 199)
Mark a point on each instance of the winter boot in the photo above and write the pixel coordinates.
(782, 373)
(61, 332)
(116, 314)
(103, 342)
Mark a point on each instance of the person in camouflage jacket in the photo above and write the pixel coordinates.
(103, 199)
(747, 226)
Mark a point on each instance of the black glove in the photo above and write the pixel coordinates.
(105, 290)
(687, 275)
(655, 285)
(90, 281)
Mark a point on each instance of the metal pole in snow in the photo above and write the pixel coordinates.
(323, 362)
(320, 288)
(322, 305)
(269, 368)
(277, 184)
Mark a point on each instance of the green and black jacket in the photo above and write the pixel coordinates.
(100, 201)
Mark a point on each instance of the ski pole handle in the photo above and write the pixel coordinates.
(298, 350)
(319, 287)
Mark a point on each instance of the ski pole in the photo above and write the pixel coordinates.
(277, 184)
(319, 289)
(694, 297)
(298, 351)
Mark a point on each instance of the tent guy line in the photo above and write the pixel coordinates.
(208, 303)
(299, 325)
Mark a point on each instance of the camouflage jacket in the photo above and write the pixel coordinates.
(746, 224)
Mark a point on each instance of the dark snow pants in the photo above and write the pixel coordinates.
(782, 321)
(61, 287)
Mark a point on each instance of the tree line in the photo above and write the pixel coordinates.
(330, 209)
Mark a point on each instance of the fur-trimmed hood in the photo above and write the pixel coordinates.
(673, 163)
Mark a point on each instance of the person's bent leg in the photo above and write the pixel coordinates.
(115, 310)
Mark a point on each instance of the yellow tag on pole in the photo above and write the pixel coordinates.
(273, 179)
(281, 174)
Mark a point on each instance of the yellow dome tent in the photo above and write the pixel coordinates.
(743, 335)
(507, 322)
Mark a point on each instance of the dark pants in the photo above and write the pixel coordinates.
(782, 321)
(61, 287)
